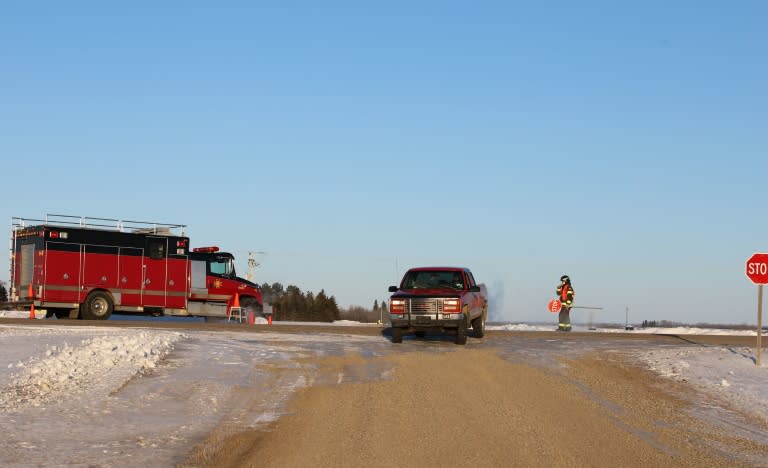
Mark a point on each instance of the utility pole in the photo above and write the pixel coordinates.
(397, 272)
(252, 264)
(626, 323)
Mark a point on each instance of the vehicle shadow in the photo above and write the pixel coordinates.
(432, 335)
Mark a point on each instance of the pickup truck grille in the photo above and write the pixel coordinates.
(425, 306)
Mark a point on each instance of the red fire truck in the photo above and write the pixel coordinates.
(88, 268)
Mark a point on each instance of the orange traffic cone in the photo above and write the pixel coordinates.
(269, 319)
(235, 304)
(32, 305)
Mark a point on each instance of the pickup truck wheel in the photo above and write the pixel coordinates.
(461, 333)
(397, 335)
(478, 327)
(98, 306)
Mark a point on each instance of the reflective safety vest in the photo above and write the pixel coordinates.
(565, 292)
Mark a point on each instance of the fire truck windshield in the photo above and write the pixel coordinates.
(222, 266)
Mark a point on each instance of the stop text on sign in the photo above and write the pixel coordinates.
(757, 268)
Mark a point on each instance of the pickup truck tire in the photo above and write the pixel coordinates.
(478, 327)
(98, 306)
(461, 333)
(397, 335)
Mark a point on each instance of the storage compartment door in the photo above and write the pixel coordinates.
(176, 286)
(100, 266)
(131, 266)
(155, 271)
(62, 272)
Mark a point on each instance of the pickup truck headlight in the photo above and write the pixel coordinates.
(397, 306)
(451, 306)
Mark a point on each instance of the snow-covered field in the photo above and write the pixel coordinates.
(730, 373)
(104, 396)
(101, 396)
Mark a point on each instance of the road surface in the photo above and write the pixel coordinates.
(509, 399)
(447, 405)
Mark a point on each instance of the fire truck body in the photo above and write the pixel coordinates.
(89, 270)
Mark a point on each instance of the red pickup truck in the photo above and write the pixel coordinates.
(444, 299)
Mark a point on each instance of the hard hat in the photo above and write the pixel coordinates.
(565, 278)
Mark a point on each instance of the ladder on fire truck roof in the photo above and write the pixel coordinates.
(144, 227)
(11, 260)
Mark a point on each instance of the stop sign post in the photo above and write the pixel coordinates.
(757, 272)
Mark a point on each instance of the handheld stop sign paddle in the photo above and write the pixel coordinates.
(554, 306)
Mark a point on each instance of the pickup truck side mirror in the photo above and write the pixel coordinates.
(474, 289)
(393, 289)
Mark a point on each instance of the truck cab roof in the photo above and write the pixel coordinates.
(439, 268)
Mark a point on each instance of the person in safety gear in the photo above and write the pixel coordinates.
(565, 294)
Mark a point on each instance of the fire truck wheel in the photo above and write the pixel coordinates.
(98, 306)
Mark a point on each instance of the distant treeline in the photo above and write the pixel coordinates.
(291, 304)
(378, 313)
(672, 324)
(3, 293)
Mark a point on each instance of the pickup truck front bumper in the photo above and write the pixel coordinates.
(425, 323)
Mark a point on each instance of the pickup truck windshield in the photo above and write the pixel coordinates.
(433, 279)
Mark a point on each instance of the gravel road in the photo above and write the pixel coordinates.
(509, 399)
(492, 404)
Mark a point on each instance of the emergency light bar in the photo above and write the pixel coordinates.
(57, 234)
(205, 249)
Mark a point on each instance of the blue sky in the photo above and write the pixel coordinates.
(624, 145)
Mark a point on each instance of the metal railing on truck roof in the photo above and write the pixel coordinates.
(121, 225)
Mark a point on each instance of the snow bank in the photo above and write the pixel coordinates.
(686, 331)
(649, 331)
(519, 327)
(97, 366)
(728, 373)
(20, 314)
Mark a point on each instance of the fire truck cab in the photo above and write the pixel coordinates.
(88, 268)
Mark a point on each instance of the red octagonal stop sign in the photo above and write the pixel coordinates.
(757, 268)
